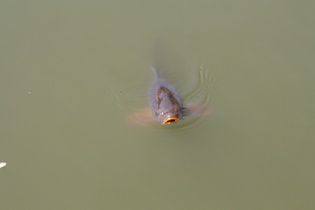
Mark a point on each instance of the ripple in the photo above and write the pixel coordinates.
(198, 90)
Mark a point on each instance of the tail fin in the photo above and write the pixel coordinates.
(155, 72)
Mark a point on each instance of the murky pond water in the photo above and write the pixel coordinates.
(72, 71)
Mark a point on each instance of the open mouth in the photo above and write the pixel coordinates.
(170, 121)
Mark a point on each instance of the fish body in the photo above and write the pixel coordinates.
(166, 105)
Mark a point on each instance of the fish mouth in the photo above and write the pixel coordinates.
(170, 120)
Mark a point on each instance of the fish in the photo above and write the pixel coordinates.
(166, 106)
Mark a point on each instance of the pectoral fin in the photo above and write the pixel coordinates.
(140, 118)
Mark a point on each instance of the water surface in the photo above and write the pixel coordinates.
(71, 71)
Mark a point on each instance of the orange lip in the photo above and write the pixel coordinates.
(170, 121)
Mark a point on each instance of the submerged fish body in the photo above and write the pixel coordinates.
(166, 105)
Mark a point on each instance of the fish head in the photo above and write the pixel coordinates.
(170, 111)
(167, 106)
(166, 117)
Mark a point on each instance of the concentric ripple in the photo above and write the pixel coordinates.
(197, 91)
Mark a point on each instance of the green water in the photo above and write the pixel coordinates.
(71, 71)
